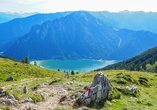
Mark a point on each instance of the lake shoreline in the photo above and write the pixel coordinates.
(83, 65)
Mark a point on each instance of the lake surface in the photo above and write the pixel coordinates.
(76, 65)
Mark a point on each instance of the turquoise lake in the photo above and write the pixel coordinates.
(76, 65)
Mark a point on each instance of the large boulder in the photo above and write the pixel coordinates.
(98, 91)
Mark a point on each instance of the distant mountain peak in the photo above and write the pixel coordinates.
(78, 35)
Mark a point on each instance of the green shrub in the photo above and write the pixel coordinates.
(37, 98)
(115, 93)
(5, 108)
(144, 82)
(121, 81)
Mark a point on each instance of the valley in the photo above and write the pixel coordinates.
(76, 59)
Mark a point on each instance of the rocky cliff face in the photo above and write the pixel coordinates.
(12, 30)
(78, 35)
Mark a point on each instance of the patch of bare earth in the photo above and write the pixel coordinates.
(50, 101)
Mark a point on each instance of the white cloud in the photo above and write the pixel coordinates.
(72, 5)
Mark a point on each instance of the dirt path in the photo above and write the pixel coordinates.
(23, 81)
(18, 83)
(50, 102)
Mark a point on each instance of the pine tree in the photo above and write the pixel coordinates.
(27, 60)
(72, 72)
(23, 61)
(35, 63)
(144, 66)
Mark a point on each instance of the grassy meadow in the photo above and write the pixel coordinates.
(30, 75)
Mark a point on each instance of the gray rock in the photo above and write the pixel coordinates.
(113, 101)
(2, 100)
(108, 103)
(10, 96)
(25, 100)
(13, 73)
(98, 91)
(9, 79)
(83, 108)
(11, 100)
(2, 90)
(131, 88)
(81, 85)
(119, 88)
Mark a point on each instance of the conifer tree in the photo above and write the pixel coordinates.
(35, 63)
(27, 60)
(72, 72)
(23, 61)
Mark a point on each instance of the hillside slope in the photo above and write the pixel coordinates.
(133, 43)
(136, 63)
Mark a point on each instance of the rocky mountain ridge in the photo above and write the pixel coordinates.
(81, 35)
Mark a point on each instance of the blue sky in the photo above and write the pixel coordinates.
(50, 6)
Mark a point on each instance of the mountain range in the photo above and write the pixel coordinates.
(80, 35)
(136, 21)
(10, 31)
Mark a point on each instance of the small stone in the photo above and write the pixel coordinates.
(71, 82)
(2, 90)
(125, 108)
(108, 103)
(13, 73)
(10, 96)
(83, 108)
(113, 101)
(133, 97)
(119, 88)
(81, 85)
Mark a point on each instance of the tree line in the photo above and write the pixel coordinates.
(137, 63)
(26, 60)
